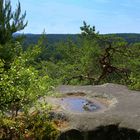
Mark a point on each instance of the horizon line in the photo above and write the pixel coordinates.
(75, 33)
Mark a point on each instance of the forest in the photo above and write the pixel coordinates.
(30, 70)
(54, 38)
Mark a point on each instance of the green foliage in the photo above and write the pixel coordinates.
(8, 52)
(33, 126)
(134, 65)
(135, 81)
(88, 31)
(22, 84)
(23, 81)
(10, 21)
(93, 59)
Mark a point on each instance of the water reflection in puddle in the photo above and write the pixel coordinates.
(79, 104)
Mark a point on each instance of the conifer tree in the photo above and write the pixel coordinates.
(10, 21)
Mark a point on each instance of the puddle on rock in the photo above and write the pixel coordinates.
(79, 104)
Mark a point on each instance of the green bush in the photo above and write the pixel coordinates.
(21, 87)
(28, 127)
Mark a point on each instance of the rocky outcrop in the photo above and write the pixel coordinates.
(119, 121)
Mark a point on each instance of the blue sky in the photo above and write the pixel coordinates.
(66, 16)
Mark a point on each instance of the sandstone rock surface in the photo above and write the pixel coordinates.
(121, 118)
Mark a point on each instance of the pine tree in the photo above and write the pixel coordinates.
(10, 21)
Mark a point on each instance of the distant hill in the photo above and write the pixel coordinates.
(53, 38)
(129, 37)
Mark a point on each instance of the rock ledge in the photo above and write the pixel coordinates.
(121, 119)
